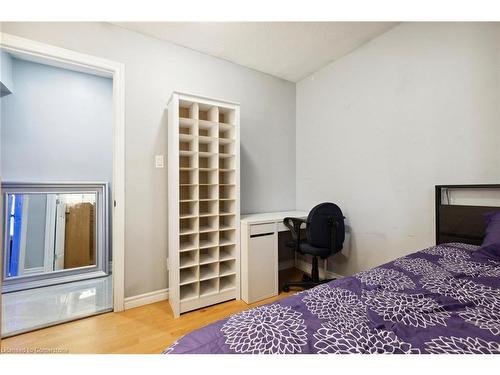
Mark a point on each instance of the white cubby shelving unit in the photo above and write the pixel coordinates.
(203, 201)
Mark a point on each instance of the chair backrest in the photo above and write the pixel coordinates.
(319, 227)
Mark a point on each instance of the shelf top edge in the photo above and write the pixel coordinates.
(202, 99)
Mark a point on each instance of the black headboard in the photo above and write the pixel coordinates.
(460, 223)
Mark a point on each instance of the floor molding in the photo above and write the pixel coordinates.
(162, 294)
(285, 264)
(306, 267)
(146, 298)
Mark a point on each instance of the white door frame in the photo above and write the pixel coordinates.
(90, 64)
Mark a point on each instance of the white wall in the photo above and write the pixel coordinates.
(378, 128)
(498, 97)
(57, 126)
(153, 69)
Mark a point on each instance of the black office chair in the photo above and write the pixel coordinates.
(325, 231)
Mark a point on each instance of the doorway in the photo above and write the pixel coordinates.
(67, 243)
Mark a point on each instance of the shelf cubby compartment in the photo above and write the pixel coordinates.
(188, 242)
(187, 143)
(227, 192)
(208, 287)
(227, 283)
(188, 259)
(188, 275)
(209, 239)
(227, 267)
(226, 131)
(188, 177)
(207, 128)
(187, 126)
(208, 208)
(188, 225)
(227, 222)
(209, 271)
(208, 161)
(226, 177)
(188, 110)
(208, 255)
(227, 252)
(188, 161)
(208, 192)
(227, 206)
(226, 115)
(208, 177)
(227, 237)
(188, 209)
(188, 193)
(208, 112)
(208, 224)
(226, 163)
(226, 146)
(189, 291)
(207, 144)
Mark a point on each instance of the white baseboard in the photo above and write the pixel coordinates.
(286, 264)
(162, 294)
(306, 267)
(146, 298)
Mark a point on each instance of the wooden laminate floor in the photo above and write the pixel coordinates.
(142, 330)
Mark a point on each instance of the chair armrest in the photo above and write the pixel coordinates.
(294, 224)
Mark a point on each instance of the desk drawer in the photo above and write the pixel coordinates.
(261, 229)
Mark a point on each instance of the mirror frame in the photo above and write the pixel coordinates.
(101, 268)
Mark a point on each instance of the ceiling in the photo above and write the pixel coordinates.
(288, 50)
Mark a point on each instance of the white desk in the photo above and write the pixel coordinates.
(259, 253)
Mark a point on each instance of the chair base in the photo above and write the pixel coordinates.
(307, 281)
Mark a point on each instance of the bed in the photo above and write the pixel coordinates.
(443, 299)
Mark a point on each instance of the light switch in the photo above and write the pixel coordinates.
(159, 161)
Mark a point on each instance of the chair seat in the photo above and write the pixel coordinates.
(306, 248)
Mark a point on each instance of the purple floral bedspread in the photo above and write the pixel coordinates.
(444, 299)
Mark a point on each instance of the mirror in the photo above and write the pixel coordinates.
(50, 233)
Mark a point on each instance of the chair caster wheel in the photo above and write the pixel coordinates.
(286, 288)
